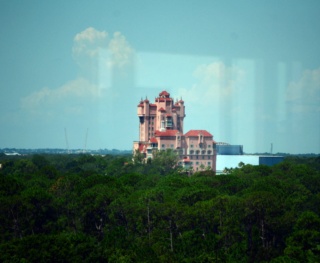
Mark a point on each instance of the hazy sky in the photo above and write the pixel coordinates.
(248, 71)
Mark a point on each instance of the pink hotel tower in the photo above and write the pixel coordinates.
(161, 127)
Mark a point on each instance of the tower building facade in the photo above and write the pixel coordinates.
(161, 115)
(161, 127)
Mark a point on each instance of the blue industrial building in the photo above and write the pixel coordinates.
(229, 156)
(227, 149)
(270, 160)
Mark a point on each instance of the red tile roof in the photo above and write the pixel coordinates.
(161, 109)
(166, 133)
(142, 148)
(153, 140)
(195, 133)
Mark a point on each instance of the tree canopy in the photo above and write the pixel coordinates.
(83, 208)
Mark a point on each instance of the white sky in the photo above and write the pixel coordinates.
(248, 71)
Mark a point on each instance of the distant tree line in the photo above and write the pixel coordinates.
(19, 151)
(84, 208)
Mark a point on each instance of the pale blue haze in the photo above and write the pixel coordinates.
(248, 71)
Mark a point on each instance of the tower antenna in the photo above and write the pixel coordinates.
(66, 137)
(85, 142)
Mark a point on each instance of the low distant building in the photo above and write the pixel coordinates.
(227, 149)
(229, 156)
(232, 161)
(270, 160)
(161, 128)
(13, 153)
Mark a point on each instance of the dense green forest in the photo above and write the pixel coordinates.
(83, 208)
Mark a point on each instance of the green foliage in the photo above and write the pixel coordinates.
(83, 208)
(165, 161)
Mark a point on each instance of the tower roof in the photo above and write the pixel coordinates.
(164, 93)
(195, 133)
(166, 133)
